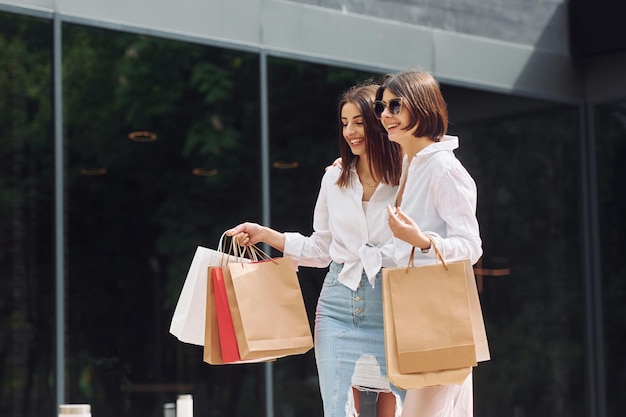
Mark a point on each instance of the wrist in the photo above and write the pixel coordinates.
(265, 234)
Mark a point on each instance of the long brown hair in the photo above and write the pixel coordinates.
(384, 157)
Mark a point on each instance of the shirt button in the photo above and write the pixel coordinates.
(357, 311)
(358, 298)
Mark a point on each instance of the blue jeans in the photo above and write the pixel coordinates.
(349, 343)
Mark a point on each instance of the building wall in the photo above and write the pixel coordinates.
(497, 46)
(542, 24)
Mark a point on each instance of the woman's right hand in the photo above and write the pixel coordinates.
(252, 233)
(403, 227)
(246, 233)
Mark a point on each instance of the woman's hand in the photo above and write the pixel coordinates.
(246, 233)
(404, 228)
(252, 233)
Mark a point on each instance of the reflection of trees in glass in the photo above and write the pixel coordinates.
(133, 231)
(26, 256)
(526, 170)
(611, 148)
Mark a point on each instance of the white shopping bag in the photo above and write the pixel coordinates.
(188, 322)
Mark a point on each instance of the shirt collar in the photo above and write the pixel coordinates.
(447, 143)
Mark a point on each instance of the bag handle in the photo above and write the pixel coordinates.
(234, 250)
(254, 252)
(257, 252)
(434, 245)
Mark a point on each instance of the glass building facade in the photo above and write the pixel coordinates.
(167, 143)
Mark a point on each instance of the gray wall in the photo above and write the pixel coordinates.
(511, 46)
(542, 24)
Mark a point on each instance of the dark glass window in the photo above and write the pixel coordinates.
(524, 155)
(26, 218)
(611, 148)
(162, 156)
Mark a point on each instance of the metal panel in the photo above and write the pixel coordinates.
(350, 39)
(505, 67)
(233, 20)
(48, 5)
(539, 23)
(320, 34)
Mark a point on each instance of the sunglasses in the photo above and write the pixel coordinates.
(395, 107)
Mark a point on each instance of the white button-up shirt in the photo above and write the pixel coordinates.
(440, 196)
(343, 232)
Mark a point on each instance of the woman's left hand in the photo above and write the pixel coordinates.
(404, 228)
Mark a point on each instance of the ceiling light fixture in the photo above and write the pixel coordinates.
(93, 171)
(204, 172)
(142, 136)
(285, 164)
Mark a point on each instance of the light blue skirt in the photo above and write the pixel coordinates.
(349, 343)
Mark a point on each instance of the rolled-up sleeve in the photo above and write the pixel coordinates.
(455, 200)
(312, 250)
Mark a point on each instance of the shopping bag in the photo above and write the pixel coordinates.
(226, 329)
(212, 345)
(188, 321)
(411, 380)
(268, 309)
(409, 323)
(432, 317)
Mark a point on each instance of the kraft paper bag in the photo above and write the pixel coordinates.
(212, 348)
(188, 321)
(446, 375)
(268, 309)
(432, 317)
(411, 380)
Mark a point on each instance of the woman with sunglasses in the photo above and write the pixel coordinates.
(350, 234)
(436, 200)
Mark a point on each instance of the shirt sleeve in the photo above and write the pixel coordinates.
(455, 200)
(313, 251)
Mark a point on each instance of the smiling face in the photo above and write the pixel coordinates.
(396, 124)
(353, 128)
(423, 113)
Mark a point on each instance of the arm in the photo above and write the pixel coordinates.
(313, 251)
(253, 233)
(456, 204)
(306, 251)
(453, 194)
(404, 228)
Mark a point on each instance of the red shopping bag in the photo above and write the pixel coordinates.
(226, 329)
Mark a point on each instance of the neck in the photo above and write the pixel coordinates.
(412, 146)
(362, 165)
(363, 170)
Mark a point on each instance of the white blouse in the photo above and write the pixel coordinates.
(440, 196)
(346, 233)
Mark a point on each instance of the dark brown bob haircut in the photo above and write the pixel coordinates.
(421, 95)
(384, 157)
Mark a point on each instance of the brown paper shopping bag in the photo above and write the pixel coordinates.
(411, 333)
(212, 346)
(432, 317)
(268, 309)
